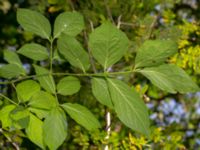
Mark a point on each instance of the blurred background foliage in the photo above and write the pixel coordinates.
(175, 118)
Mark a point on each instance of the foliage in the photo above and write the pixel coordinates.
(189, 50)
(66, 74)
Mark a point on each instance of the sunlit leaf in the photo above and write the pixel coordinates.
(40, 113)
(55, 128)
(43, 100)
(20, 117)
(26, 89)
(5, 115)
(34, 131)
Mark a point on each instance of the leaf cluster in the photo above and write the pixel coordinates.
(39, 107)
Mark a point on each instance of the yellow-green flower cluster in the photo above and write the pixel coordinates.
(189, 51)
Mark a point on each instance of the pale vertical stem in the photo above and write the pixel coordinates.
(91, 25)
(119, 21)
(108, 128)
(51, 55)
(51, 64)
(108, 114)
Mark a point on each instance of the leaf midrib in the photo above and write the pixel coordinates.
(128, 104)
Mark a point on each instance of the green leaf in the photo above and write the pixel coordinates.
(20, 117)
(100, 91)
(46, 80)
(70, 23)
(129, 107)
(82, 116)
(5, 115)
(40, 113)
(43, 100)
(68, 85)
(11, 71)
(155, 52)
(72, 50)
(170, 78)
(55, 128)
(34, 131)
(26, 89)
(12, 58)
(34, 51)
(108, 44)
(34, 22)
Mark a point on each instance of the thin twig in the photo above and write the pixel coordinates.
(108, 121)
(119, 21)
(108, 11)
(8, 99)
(91, 25)
(70, 74)
(51, 55)
(13, 85)
(71, 4)
(152, 27)
(128, 24)
(10, 140)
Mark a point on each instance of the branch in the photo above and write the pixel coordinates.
(91, 25)
(69, 74)
(51, 54)
(152, 27)
(108, 11)
(8, 99)
(119, 21)
(10, 140)
(71, 4)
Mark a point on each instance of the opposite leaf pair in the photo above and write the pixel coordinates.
(70, 23)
